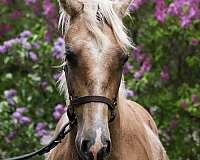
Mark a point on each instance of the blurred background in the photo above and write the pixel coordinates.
(163, 72)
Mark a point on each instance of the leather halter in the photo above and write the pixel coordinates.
(75, 101)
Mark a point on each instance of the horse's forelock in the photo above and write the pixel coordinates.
(90, 10)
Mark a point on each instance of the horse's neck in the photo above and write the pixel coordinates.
(134, 134)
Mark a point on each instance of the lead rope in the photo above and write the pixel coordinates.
(52, 144)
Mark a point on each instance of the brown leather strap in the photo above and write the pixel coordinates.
(87, 99)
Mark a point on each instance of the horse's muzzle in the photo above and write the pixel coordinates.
(94, 150)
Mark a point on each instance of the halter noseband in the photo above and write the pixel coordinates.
(88, 99)
(79, 100)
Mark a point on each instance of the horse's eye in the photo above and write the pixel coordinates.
(125, 59)
(69, 54)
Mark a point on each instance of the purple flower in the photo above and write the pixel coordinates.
(56, 76)
(138, 55)
(57, 54)
(40, 126)
(6, 1)
(11, 102)
(192, 12)
(127, 68)
(42, 133)
(21, 110)
(194, 42)
(183, 104)
(24, 120)
(15, 14)
(138, 75)
(57, 115)
(129, 93)
(60, 42)
(33, 56)
(146, 66)
(11, 136)
(164, 75)
(30, 2)
(173, 124)
(16, 116)
(173, 9)
(60, 108)
(47, 36)
(10, 93)
(185, 21)
(25, 34)
(36, 45)
(4, 28)
(44, 84)
(136, 5)
(26, 44)
(40, 130)
(35, 5)
(186, 10)
(58, 111)
(58, 49)
(2, 49)
(195, 99)
(49, 9)
(8, 44)
(160, 11)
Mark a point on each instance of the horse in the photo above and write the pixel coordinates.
(98, 44)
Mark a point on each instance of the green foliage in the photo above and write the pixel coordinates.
(170, 101)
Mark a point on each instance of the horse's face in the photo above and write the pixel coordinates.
(95, 71)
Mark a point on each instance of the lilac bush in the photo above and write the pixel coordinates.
(166, 32)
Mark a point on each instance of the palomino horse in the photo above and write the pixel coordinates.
(94, 31)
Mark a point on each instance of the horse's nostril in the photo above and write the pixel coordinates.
(105, 151)
(90, 150)
(108, 147)
(85, 146)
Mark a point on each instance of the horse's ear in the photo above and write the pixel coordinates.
(71, 7)
(121, 7)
